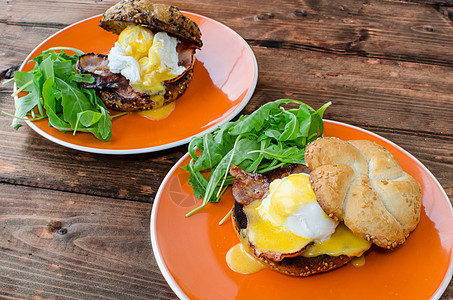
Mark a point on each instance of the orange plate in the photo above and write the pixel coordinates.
(225, 75)
(191, 251)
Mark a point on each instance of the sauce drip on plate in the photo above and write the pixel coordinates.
(158, 113)
(241, 262)
(358, 261)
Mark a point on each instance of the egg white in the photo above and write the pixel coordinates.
(304, 216)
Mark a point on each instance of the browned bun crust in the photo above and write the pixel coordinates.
(173, 90)
(294, 266)
(361, 183)
(157, 17)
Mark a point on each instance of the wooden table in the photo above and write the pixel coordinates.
(75, 225)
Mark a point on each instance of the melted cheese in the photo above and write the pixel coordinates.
(267, 237)
(342, 242)
(241, 262)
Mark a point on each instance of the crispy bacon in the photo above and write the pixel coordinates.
(249, 187)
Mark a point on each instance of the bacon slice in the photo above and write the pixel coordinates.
(116, 91)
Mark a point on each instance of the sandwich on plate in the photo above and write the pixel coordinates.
(151, 63)
(302, 220)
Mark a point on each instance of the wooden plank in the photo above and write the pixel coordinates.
(364, 91)
(18, 41)
(447, 3)
(394, 30)
(81, 247)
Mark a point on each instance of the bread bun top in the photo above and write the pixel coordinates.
(361, 183)
(157, 17)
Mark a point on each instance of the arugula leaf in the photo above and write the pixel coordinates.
(211, 156)
(48, 93)
(24, 81)
(73, 101)
(245, 154)
(257, 119)
(23, 106)
(89, 118)
(197, 181)
(104, 130)
(63, 69)
(53, 89)
(83, 78)
(55, 120)
(46, 67)
(269, 138)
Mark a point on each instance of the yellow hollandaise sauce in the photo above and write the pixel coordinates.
(241, 262)
(342, 242)
(158, 113)
(358, 261)
(267, 237)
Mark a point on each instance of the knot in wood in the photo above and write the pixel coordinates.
(300, 13)
(9, 73)
(62, 231)
(266, 16)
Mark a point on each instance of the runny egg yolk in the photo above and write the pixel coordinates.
(358, 261)
(136, 41)
(146, 59)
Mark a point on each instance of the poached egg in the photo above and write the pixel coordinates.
(147, 60)
(288, 219)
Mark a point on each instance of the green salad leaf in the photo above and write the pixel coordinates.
(54, 93)
(269, 138)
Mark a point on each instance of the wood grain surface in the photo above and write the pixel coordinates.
(75, 225)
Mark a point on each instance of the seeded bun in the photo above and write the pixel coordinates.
(157, 17)
(362, 184)
(294, 266)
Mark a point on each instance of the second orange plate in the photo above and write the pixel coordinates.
(191, 251)
(225, 76)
